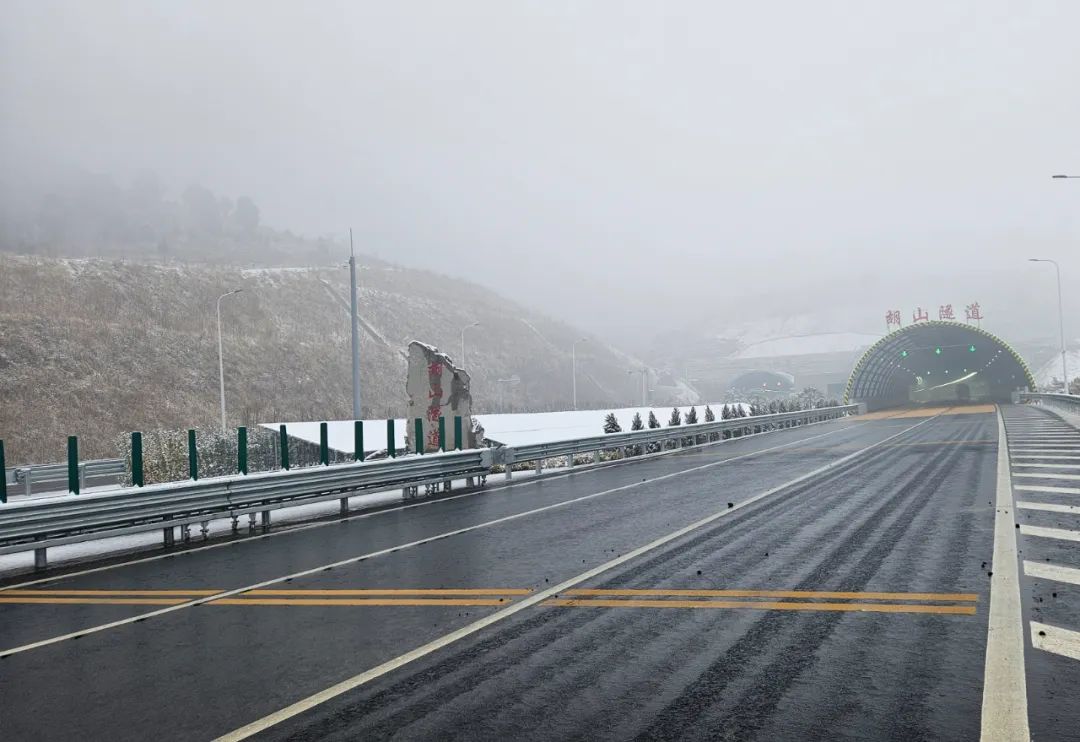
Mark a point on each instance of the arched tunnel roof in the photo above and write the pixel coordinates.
(933, 355)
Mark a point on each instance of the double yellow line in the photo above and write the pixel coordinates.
(358, 597)
(775, 600)
(772, 600)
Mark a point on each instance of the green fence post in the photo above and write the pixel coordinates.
(283, 437)
(442, 432)
(192, 456)
(241, 450)
(3, 475)
(418, 435)
(358, 440)
(391, 448)
(324, 445)
(457, 433)
(73, 464)
(136, 460)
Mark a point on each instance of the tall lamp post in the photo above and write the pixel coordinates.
(1061, 311)
(221, 356)
(573, 367)
(463, 329)
(1061, 318)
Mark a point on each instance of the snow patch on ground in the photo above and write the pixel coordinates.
(511, 429)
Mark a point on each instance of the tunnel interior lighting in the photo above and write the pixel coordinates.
(937, 351)
(971, 349)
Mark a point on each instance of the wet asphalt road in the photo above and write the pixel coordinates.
(912, 516)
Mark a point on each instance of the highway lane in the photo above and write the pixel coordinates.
(905, 521)
(906, 518)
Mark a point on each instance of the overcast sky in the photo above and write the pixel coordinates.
(625, 165)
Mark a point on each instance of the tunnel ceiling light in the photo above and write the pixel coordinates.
(903, 354)
(937, 351)
(971, 348)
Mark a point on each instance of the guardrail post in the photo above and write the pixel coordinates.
(324, 444)
(442, 432)
(418, 435)
(457, 433)
(192, 456)
(136, 460)
(3, 474)
(41, 558)
(241, 450)
(283, 440)
(73, 464)
(391, 443)
(358, 440)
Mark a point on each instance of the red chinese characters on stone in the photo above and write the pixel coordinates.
(920, 315)
(433, 438)
(945, 311)
(435, 368)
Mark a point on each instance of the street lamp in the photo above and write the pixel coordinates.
(220, 355)
(1061, 315)
(573, 366)
(463, 329)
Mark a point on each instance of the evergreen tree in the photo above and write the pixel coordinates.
(691, 416)
(636, 423)
(710, 416)
(740, 411)
(774, 407)
(611, 424)
(653, 422)
(676, 417)
(725, 414)
(781, 407)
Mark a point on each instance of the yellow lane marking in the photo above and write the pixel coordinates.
(360, 601)
(972, 597)
(927, 412)
(96, 601)
(966, 610)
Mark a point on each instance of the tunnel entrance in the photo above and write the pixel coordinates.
(937, 363)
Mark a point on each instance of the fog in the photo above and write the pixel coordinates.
(629, 166)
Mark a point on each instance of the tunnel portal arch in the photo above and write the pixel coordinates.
(937, 362)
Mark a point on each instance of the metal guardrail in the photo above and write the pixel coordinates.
(583, 446)
(41, 523)
(58, 473)
(1064, 402)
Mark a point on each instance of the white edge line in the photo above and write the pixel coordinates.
(1004, 703)
(301, 527)
(367, 676)
(1055, 639)
(390, 549)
